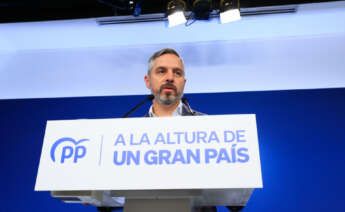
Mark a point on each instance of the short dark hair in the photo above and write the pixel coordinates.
(160, 53)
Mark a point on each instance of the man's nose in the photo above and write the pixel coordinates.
(170, 76)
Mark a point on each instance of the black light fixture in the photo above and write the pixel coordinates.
(229, 11)
(124, 5)
(202, 9)
(175, 12)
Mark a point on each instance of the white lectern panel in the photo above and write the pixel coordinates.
(202, 152)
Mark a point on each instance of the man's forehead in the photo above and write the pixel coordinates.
(168, 60)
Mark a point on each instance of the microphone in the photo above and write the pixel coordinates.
(185, 101)
(148, 98)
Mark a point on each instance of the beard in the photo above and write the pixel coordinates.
(168, 98)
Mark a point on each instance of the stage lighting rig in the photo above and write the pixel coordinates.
(128, 5)
(193, 9)
(175, 12)
(229, 11)
(202, 9)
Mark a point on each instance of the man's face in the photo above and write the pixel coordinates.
(166, 79)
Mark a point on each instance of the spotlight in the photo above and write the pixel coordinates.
(202, 9)
(175, 12)
(229, 11)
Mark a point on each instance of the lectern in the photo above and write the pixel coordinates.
(152, 164)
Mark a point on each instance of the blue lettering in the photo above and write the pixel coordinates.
(196, 156)
(150, 157)
(132, 140)
(145, 139)
(127, 157)
(123, 159)
(233, 152)
(239, 135)
(243, 156)
(210, 154)
(131, 157)
(160, 139)
(187, 140)
(223, 156)
(120, 140)
(226, 138)
(67, 152)
(213, 137)
(168, 139)
(80, 152)
(164, 155)
(179, 136)
(202, 136)
(178, 157)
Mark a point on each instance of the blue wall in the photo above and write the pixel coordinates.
(301, 138)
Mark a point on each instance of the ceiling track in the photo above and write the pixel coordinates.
(214, 14)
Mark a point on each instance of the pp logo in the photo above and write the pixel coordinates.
(70, 150)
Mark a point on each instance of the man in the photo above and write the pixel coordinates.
(166, 80)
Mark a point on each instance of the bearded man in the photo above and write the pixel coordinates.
(166, 80)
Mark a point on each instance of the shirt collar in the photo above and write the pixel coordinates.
(177, 111)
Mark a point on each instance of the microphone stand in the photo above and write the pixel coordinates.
(185, 101)
(148, 98)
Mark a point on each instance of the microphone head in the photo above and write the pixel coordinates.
(184, 100)
(150, 97)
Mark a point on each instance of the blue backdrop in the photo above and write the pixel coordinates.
(301, 139)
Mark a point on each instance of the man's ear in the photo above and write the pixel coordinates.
(147, 81)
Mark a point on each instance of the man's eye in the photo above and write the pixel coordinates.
(178, 73)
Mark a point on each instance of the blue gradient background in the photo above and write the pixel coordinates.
(301, 139)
